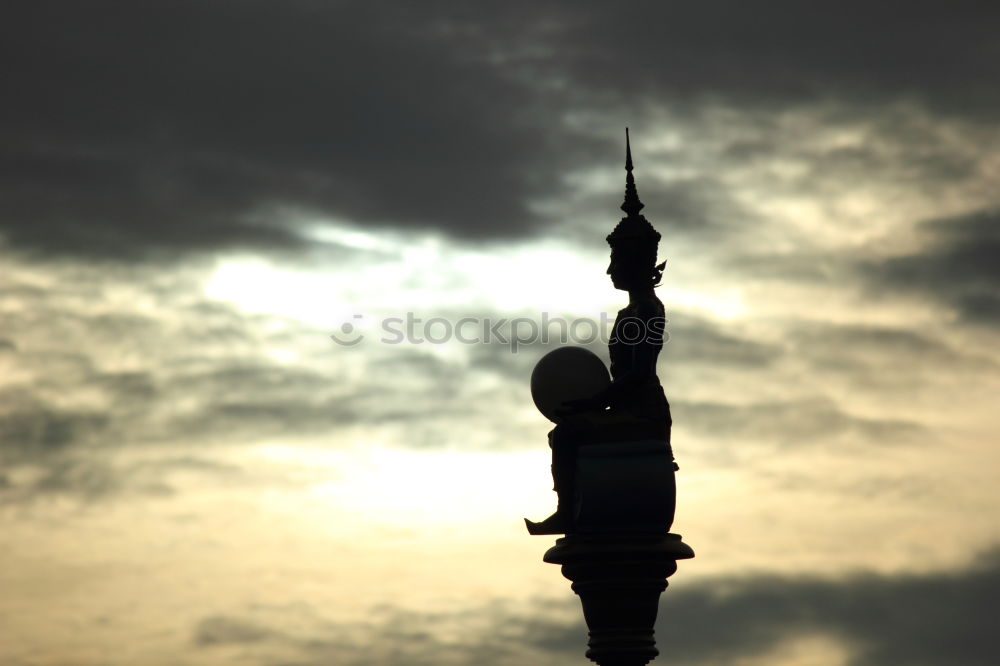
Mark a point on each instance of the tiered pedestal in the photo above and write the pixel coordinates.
(619, 578)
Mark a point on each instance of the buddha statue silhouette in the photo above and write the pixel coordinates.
(632, 408)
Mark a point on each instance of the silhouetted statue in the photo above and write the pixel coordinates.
(630, 418)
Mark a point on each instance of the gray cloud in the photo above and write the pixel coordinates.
(957, 268)
(223, 630)
(84, 476)
(73, 421)
(32, 428)
(224, 399)
(698, 341)
(798, 423)
(885, 358)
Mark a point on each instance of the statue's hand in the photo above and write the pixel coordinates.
(571, 407)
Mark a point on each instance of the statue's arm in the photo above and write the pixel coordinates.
(638, 372)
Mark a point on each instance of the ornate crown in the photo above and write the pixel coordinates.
(633, 229)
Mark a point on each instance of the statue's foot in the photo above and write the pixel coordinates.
(557, 523)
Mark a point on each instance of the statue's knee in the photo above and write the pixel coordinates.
(567, 438)
(562, 436)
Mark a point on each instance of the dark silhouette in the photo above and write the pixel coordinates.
(612, 463)
(633, 407)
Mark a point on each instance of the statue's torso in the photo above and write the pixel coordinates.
(637, 338)
(640, 323)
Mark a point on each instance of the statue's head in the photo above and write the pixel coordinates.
(633, 254)
(633, 241)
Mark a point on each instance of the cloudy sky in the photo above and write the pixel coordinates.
(196, 195)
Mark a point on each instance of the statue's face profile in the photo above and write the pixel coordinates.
(617, 272)
(622, 270)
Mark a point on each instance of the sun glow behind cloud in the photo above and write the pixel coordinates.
(382, 485)
(436, 278)
(413, 274)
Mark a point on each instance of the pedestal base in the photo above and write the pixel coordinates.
(619, 578)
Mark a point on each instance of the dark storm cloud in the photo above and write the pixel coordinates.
(941, 617)
(787, 51)
(136, 130)
(130, 129)
(959, 267)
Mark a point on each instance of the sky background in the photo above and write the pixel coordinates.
(195, 195)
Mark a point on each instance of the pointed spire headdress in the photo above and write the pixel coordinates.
(634, 233)
(633, 226)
